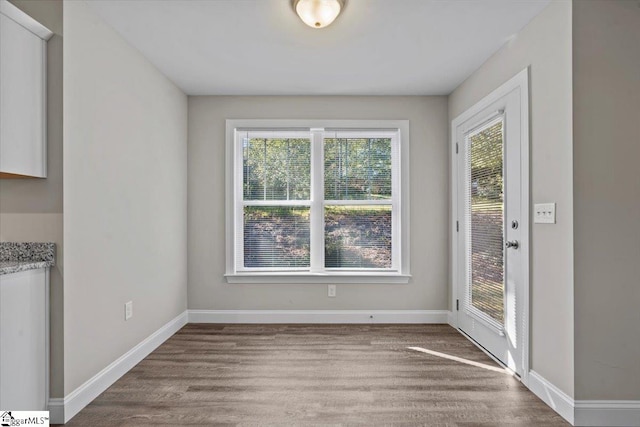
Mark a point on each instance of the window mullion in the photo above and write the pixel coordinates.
(317, 200)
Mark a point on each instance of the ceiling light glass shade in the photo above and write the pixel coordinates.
(318, 13)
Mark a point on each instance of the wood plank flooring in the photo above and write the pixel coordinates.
(315, 375)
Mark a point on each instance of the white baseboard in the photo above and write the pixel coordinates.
(585, 412)
(318, 316)
(56, 410)
(607, 413)
(558, 400)
(62, 410)
(451, 319)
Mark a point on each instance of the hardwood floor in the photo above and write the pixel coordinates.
(315, 375)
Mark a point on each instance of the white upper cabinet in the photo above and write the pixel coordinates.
(23, 130)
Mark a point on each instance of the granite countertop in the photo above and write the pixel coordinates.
(15, 257)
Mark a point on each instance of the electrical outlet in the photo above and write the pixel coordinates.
(128, 310)
(332, 291)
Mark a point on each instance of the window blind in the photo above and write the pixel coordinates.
(357, 236)
(276, 237)
(352, 216)
(276, 167)
(485, 220)
(357, 168)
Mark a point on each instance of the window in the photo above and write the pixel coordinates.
(317, 201)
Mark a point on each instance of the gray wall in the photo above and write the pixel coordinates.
(125, 196)
(606, 152)
(31, 209)
(429, 214)
(545, 46)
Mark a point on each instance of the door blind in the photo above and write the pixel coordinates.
(485, 220)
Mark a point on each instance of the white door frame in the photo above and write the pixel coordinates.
(520, 80)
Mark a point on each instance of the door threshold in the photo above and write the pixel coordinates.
(488, 353)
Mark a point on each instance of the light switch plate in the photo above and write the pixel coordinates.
(544, 213)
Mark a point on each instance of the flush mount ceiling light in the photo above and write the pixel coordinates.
(318, 13)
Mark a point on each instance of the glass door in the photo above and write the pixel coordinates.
(490, 275)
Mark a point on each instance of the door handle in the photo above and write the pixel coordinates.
(512, 244)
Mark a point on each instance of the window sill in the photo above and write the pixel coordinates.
(282, 278)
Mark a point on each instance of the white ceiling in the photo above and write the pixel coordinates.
(375, 47)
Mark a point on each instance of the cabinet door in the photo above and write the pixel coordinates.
(22, 100)
(23, 341)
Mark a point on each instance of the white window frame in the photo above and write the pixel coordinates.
(399, 271)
